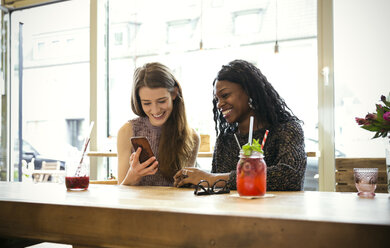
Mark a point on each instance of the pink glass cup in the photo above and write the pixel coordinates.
(365, 181)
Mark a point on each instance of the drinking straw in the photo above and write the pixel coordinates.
(264, 139)
(86, 143)
(238, 143)
(250, 130)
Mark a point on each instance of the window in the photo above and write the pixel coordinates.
(227, 31)
(41, 46)
(75, 137)
(4, 170)
(180, 31)
(118, 39)
(56, 61)
(361, 73)
(247, 22)
(55, 81)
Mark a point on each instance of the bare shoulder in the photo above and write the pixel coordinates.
(126, 131)
(195, 136)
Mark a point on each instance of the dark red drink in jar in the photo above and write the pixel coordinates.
(77, 174)
(251, 175)
(77, 182)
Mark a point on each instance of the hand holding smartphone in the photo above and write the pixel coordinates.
(142, 142)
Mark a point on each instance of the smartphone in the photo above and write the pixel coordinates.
(142, 142)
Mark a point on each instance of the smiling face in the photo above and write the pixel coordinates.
(157, 103)
(232, 101)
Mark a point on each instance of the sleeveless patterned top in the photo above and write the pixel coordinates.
(143, 127)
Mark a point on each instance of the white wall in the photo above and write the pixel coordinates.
(362, 65)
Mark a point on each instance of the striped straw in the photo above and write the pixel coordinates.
(264, 139)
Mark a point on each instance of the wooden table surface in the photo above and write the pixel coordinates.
(125, 216)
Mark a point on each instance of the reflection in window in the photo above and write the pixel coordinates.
(74, 132)
(41, 46)
(132, 29)
(122, 36)
(118, 39)
(247, 22)
(180, 31)
(58, 45)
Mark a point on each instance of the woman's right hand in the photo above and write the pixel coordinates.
(138, 170)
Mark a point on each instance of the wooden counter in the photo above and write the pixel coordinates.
(124, 216)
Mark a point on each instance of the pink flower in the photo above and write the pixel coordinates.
(386, 116)
(371, 117)
(361, 121)
(379, 121)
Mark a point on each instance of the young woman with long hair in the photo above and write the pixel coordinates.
(157, 99)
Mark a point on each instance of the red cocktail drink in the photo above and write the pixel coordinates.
(77, 174)
(77, 182)
(251, 175)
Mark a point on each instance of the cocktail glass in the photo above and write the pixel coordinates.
(251, 175)
(365, 181)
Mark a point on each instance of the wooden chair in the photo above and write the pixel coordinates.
(48, 169)
(344, 173)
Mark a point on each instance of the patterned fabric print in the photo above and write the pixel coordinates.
(284, 154)
(143, 127)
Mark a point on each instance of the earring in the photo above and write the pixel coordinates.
(250, 103)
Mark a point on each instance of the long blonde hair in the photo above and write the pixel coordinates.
(176, 141)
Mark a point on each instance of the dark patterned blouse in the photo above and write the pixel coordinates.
(284, 154)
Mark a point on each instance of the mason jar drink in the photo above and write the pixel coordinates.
(251, 174)
(77, 174)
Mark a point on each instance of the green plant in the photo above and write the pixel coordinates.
(247, 148)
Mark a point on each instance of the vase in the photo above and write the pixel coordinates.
(387, 150)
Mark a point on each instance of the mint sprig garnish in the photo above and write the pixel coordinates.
(247, 148)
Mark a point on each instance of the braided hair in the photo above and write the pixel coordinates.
(269, 107)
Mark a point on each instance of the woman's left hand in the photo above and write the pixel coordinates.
(190, 175)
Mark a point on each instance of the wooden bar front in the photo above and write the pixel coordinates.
(124, 216)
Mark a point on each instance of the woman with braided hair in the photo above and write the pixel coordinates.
(241, 91)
